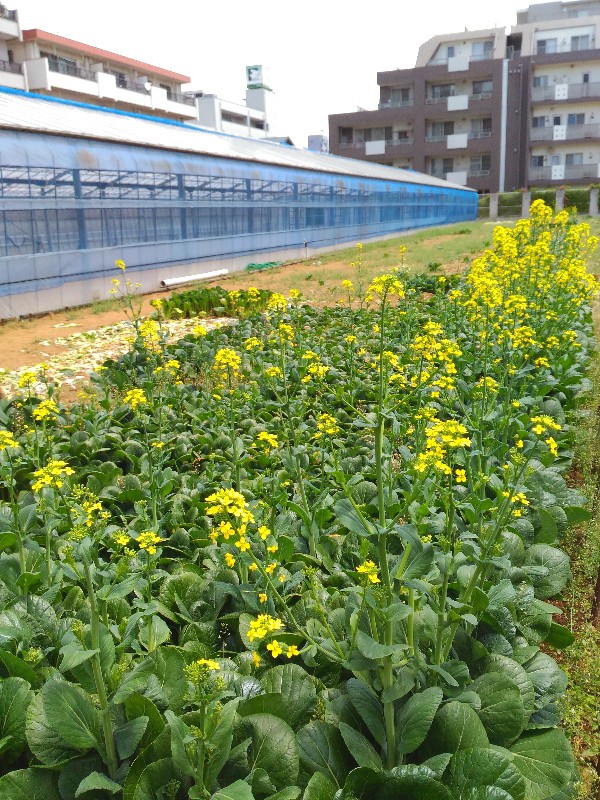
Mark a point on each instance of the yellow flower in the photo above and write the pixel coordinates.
(199, 330)
(460, 476)
(263, 597)
(148, 540)
(270, 569)
(7, 440)
(229, 560)
(242, 545)
(256, 659)
(268, 440)
(208, 663)
(292, 651)
(135, 398)
(120, 264)
(51, 475)
(275, 648)
(369, 568)
(272, 549)
(253, 566)
(263, 532)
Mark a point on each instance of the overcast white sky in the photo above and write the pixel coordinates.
(323, 55)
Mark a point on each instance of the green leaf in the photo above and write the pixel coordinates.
(372, 649)
(501, 711)
(319, 788)
(559, 636)
(483, 766)
(73, 655)
(17, 668)
(239, 790)
(291, 793)
(29, 784)
(28, 579)
(273, 748)
(415, 719)
(96, 781)
(360, 747)
(557, 564)
(456, 726)
(160, 749)
(159, 677)
(129, 735)
(15, 697)
(43, 739)
(322, 749)
(220, 741)
(367, 705)
(545, 761)
(577, 514)
(155, 777)
(410, 782)
(73, 773)
(136, 706)
(297, 690)
(347, 516)
(548, 679)
(268, 703)
(71, 712)
(510, 668)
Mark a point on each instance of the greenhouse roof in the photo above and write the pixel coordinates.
(23, 111)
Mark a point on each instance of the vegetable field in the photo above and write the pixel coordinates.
(313, 554)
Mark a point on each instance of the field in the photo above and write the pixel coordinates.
(318, 552)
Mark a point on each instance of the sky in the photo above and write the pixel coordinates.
(322, 55)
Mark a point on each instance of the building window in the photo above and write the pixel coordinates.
(574, 159)
(536, 161)
(345, 135)
(451, 51)
(557, 120)
(438, 130)
(575, 119)
(447, 165)
(481, 164)
(538, 122)
(585, 78)
(403, 136)
(547, 46)
(540, 82)
(482, 50)
(440, 90)
(481, 125)
(580, 42)
(482, 87)
(66, 66)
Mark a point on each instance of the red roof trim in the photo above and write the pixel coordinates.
(88, 50)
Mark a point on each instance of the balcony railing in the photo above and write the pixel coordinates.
(10, 66)
(6, 13)
(572, 132)
(71, 69)
(436, 137)
(479, 134)
(132, 86)
(388, 143)
(478, 173)
(479, 96)
(576, 91)
(176, 97)
(396, 104)
(564, 48)
(571, 172)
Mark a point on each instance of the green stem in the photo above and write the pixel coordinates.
(109, 741)
(201, 749)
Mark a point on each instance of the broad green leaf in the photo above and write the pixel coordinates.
(415, 719)
(273, 748)
(486, 793)
(239, 790)
(508, 666)
(483, 766)
(559, 636)
(349, 518)
(136, 706)
(160, 749)
(456, 726)
(360, 747)
(73, 773)
(220, 741)
(269, 703)
(501, 711)
(154, 778)
(179, 734)
(548, 679)
(159, 677)
(545, 761)
(291, 793)
(73, 656)
(577, 514)
(129, 735)
(370, 710)
(372, 649)
(99, 782)
(15, 667)
(556, 562)
(438, 763)
(410, 782)
(15, 697)
(71, 712)
(319, 788)
(322, 749)
(29, 784)
(44, 740)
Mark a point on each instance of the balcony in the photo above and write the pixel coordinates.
(396, 104)
(71, 69)
(561, 133)
(176, 97)
(9, 24)
(480, 134)
(10, 66)
(384, 143)
(564, 173)
(565, 91)
(563, 49)
(131, 86)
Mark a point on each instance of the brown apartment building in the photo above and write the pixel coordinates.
(491, 110)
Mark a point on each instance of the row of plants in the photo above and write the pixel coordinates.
(308, 555)
(214, 300)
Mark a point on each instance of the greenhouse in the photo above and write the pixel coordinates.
(82, 186)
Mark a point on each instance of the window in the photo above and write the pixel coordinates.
(574, 159)
(403, 136)
(580, 42)
(451, 51)
(439, 90)
(482, 125)
(538, 122)
(66, 66)
(547, 46)
(536, 161)
(345, 135)
(438, 130)
(400, 97)
(482, 50)
(540, 82)
(482, 87)
(555, 161)
(575, 119)
(481, 164)
(585, 78)
(557, 120)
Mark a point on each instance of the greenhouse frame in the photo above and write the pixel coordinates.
(82, 186)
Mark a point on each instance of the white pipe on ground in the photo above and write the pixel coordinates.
(200, 276)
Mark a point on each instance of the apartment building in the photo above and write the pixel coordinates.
(491, 110)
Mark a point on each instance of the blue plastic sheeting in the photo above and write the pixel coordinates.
(61, 197)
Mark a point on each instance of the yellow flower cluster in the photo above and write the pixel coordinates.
(148, 540)
(268, 441)
(7, 440)
(227, 359)
(440, 436)
(262, 626)
(277, 302)
(387, 285)
(543, 423)
(252, 343)
(369, 568)
(51, 475)
(276, 649)
(27, 379)
(44, 410)
(135, 398)
(199, 330)
(326, 426)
